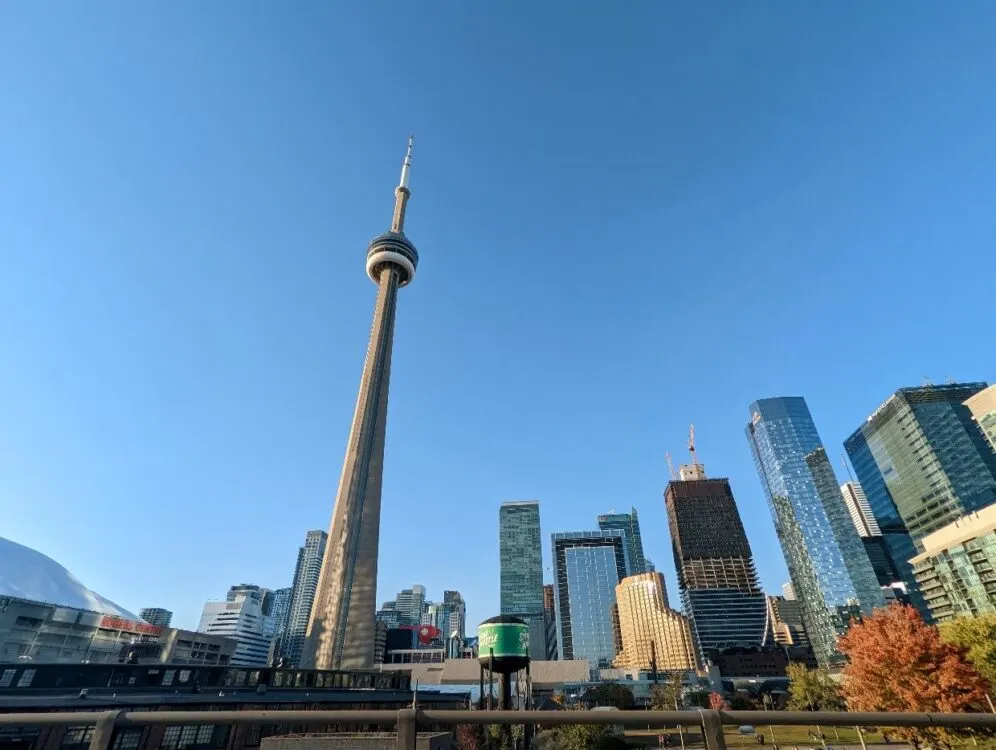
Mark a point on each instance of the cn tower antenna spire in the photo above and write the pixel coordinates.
(402, 193)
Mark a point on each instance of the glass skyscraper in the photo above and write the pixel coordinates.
(521, 564)
(830, 570)
(587, 565)
(922, 460)
(923, 463)
(629, 525)
(302, 598)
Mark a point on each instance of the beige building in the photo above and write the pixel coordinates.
(785, 621)
(956, 569)
(649, 629)
(983, 408)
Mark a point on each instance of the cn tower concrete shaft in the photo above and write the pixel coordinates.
(341, 631)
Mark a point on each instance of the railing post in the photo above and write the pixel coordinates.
(407, 728)
(712, 730)
(103, 731)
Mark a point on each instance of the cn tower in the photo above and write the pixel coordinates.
(341, 628)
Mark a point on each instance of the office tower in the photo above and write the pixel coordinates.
(520, 558)
(860, 510)
(550, 621)
(410, 604)
(652, 634)
(831, 574)
(455, 611)
(788, 591)
(716, 573)
(156, 616)
(922, 461)
(983, 408)
(388, 615)
(302, 598)
(341, 631)
(587, 566)
(629, 525)
(785, 621)
(955, 570)
(890, 580)
(280, 614)
(243, 616)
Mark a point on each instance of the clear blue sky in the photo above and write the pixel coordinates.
(630, 216)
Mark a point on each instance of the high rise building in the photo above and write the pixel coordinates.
(788, 591)
(955, 570)
(861, 513)
(587, 566)
(652, 634)
(410, 604)
(520, 558)
(302, 598)
(550, 621)
(716, 573)
(785, 622)
(341, 631)
(455, 613)
(629, 525)
(983, 408)
(922, 461)
(156, 616)
(244, 616)
(831, 574)
(280, 614)
(894, 588)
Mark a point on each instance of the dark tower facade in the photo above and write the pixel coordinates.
(716, 574)
(341, 630)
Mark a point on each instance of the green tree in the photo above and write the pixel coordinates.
(978, 636)
(667, 695)
(610, 694)
(812, 690)
(586, 737)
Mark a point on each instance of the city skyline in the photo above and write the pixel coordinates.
(187, 312)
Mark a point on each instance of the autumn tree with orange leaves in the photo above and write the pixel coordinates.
(899, 663)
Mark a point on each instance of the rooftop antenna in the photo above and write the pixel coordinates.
(927, 381)
(847, 467)
(401, 192)
(670, 466)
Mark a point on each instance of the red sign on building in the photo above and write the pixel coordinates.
(110, 622)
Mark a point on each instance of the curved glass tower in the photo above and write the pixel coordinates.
(831, 573)
(342, 628)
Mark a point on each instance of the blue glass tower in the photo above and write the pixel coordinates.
(587, 566)
(830, 570)
(629, 525)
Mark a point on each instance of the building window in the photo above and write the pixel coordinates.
(26, 677)
(7, 678)
(128, 739)
(171, 738)
(77, 736)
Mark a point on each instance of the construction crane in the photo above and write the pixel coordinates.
(691, 444)
(670, 466)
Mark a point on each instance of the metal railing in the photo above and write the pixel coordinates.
(408, 721)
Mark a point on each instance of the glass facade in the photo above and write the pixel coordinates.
(922, 460)
(302, 595)
(830, 570)
(588, 565)
(629, 525)
(521, 562)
